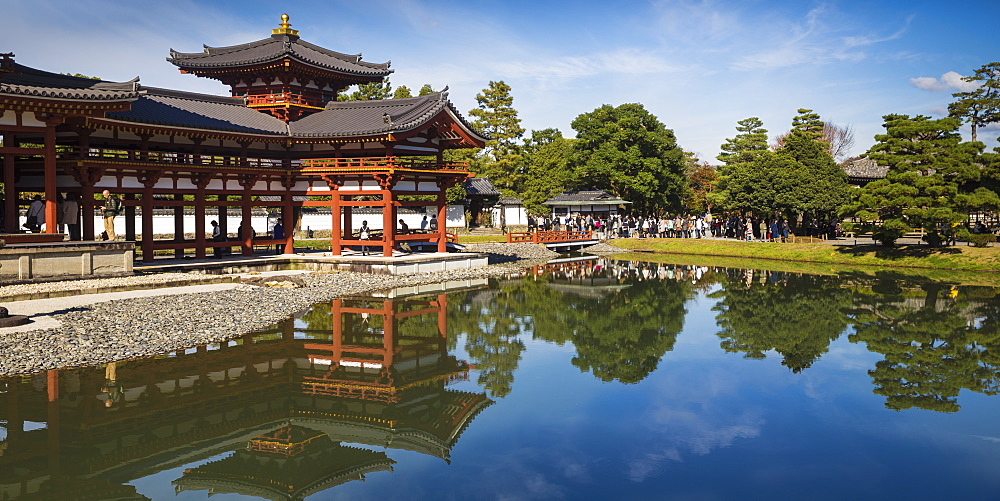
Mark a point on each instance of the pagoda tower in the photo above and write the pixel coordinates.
(282, 75)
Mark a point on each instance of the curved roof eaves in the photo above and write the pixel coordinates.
(32, 82)
(270, 49)
(360, 118)
(198, 111)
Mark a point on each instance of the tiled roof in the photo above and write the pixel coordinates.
(865, 168)
(202, 111)
(361, 118)
(276, 48)
(480, 186)
(30, 82)
(511, 201)
(596, 196)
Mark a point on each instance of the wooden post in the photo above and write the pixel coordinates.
(179, 225)
(87, 209)
(147, 221)
(199, 221)
(442, 218)
(335, 235)
(246, 216)
(11, 207)
(51, 212)
(129, 216)
(388, 222)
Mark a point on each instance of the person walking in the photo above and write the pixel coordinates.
(278, 233)
(111, 208)
(217, 236)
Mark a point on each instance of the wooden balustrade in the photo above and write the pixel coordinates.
(552, 236)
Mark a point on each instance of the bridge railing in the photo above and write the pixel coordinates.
(552, 236)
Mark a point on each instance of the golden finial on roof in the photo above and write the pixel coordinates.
(285, 27)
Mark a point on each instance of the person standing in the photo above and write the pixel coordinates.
(111, 208)
(278, 233)
(364, 233)
(423, 225)
(434, 223)
(36, 215)
(69, 215)
(217, 236)
(404, 229)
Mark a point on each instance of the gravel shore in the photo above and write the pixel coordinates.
(135, 327)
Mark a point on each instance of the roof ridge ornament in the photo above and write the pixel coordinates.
(285, 27)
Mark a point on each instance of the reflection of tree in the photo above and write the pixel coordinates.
(492, 325)
(934, 345)
(623, 336)
(796, 316)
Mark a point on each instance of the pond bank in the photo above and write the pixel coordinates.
(911, 256)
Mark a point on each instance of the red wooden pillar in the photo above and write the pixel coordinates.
(442, 217)
(147, 221)
(52, 420)
(51, 214)
(388, 222)
(178, 224)
(335, 235)
(288, 223)
(129, 216)
(246, 218)
(87, 209)
(338, 329)
(11, 207)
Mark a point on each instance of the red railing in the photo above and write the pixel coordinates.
(541, 237)
(209, 160)
(380, 163)
(279, 98)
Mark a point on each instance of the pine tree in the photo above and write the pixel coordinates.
(752, 139)
(426, 90)
(497, 117)
(402, 92)
(979, 107)
(928, 165)
(369, 92)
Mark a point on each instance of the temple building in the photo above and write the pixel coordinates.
(281, 134)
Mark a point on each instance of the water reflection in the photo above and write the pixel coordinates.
(342, 390)
(274, 409)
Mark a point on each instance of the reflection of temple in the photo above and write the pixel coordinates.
(310, 404)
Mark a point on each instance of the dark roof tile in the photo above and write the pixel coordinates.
(27, 81)
(275, 48)
(480, 186)
(201, 111)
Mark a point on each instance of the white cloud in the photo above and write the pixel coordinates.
(949, 80)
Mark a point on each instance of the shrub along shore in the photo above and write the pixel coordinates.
(960, 258)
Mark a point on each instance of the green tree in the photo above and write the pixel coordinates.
(629, 152)
(701, 194)
(751, 140)
(819, 185)
(496, 116)
(426, 90)
(546, 173)
(928, 164)
(979, 107)
(808, 124)
(402, 92)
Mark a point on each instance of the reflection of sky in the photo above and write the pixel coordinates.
(705, 425)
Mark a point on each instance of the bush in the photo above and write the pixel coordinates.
(977, 239)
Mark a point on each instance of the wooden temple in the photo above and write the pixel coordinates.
(281, 135)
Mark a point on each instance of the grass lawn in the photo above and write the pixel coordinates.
(906, 256)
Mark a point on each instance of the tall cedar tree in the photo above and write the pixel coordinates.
(979, 107)
(497, 117)
(628, 152)
(820, 186)
(928, 164)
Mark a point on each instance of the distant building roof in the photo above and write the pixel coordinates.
(480, 186)
(511, 201)
(585, 197)
(865, 169)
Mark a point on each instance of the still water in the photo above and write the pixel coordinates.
(587, 379)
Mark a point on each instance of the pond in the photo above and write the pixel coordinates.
(587, 378)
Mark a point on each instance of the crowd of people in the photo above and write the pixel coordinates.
(687, 226)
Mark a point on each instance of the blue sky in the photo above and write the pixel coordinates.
(700, 66)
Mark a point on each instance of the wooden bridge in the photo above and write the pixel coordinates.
(559, 241)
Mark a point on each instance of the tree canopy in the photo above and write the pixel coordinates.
(979, 107)
(928, 166)
(495, 115)
(627, 151)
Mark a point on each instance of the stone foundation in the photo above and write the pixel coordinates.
(45, 261)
